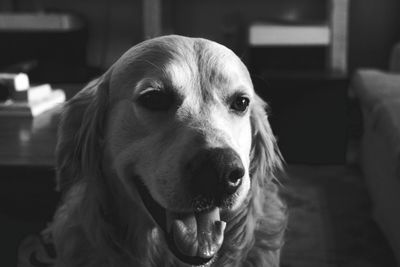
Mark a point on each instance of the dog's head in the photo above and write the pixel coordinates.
(175, 121)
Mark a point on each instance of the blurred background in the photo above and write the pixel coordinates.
(103, 29)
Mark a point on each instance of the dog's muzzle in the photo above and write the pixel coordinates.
(214, 176)
(193, 237)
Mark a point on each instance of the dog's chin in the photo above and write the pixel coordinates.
(193, 237)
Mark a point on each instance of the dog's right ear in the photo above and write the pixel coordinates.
(80, 134)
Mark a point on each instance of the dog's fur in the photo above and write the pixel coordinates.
(106, 139)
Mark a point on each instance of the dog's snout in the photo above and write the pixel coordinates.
(215, 172)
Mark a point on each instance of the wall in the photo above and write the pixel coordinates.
(374, 28)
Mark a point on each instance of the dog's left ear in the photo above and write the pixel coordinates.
(265, 156)
(80, 134)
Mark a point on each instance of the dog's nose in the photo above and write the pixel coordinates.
(215, 172)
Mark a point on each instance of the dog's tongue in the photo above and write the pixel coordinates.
(197, 234)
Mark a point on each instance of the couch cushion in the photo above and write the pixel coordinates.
(387, 124)
(373, 87)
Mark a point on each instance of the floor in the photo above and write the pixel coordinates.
(330, 223)
(27, 203)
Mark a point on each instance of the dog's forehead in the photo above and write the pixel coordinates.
(214, 68)
(184, 64)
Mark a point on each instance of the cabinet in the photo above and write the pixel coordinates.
(307, 114)
(303, 69)
(305, 36)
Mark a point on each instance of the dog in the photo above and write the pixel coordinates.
(168, 159)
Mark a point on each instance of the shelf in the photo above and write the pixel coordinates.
(272, 34)
(331, 34)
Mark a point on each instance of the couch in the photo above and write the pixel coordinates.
(378, 92)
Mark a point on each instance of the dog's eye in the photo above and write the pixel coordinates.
(156, 100)
(240, 104)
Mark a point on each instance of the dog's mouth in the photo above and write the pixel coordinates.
(194, 237)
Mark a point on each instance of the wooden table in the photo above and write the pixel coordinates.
(28, 197)
(27, 178)
(29, 142)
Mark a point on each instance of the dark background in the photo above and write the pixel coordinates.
(116, 25)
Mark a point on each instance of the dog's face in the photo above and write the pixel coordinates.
(183, 133)
(183, 124)
(180, 123)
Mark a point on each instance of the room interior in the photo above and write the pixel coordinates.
(332, 101)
